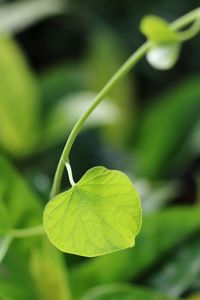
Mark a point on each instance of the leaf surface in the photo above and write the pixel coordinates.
(47, 261)
(179, 270)
(166, 127)
(19, 101)
(60, 118)
(27, 261)
(17, 16)
(4, 245)
(98, 215)
(123, 292)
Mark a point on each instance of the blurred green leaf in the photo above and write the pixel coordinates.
(27, 260)
(194, 297)
(18, 206)
(63, 116)
(19, 101)
(158, 30)
(160, 232)
(34, 272)
(156, 195)
(73, 88)
(165, 127)
(105, 56)
(5, 242)
(123, 292)
(21, 204)
(82, 221)
(189, 149)
(179, 270)
(16, 16)
(5, 220)
(47, 263)
(16, 282)
(59, 81)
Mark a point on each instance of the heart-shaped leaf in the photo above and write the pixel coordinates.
(98, 215)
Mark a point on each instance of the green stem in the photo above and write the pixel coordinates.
(125, 68)
(191, 32)
(22, 233)
(186, 19)
(118, 75)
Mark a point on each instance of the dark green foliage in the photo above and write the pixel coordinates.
(149, 127)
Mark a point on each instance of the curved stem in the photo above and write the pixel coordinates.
(190, 32)
(118, 75)
(22, 233)
(125, 68)
(186, 19)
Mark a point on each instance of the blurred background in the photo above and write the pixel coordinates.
(55, 55)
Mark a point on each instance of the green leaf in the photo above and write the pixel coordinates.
(164, 56)
(156, 195)
(29, 260)
(160, 233)
(166, 126)
(17, 200)
(195, 296)
(179, 270)
(15, 17)
(59, 81)
(106, 53)
(189, 150)
(25, 210)
(19, 104)
(61, 119)
(63, 116)
(158, 30)
(123, 292)
(48, 261)
(4, 245)
(98, 215)
(5, 220)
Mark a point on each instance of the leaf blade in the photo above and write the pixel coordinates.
(99, 215)
(123, 292)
